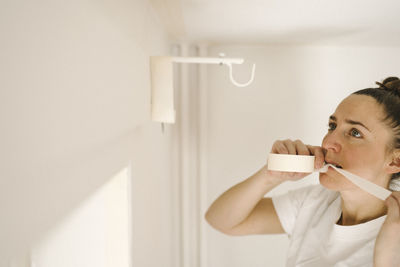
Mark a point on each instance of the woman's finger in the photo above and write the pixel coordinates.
(396, 195)
(279, 148)
(301, 148)
(319, 156)
(290, 146)
(393, 208)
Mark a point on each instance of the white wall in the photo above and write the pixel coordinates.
(74, 110)
(294, 92)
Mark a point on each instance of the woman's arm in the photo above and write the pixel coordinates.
(243, 210)
(387, 245)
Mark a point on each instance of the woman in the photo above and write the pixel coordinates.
(334, 223)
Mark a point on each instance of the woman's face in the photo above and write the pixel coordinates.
(357, 140)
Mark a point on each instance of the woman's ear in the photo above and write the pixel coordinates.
(394, 164)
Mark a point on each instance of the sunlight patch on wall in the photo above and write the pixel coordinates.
(97, 233)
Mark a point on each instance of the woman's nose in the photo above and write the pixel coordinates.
(331, 142)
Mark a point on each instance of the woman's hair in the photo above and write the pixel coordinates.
(388, 96)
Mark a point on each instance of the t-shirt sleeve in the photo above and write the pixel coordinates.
(287, 207)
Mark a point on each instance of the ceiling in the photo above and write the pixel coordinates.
(340, 22)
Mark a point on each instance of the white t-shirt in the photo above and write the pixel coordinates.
(309, 215)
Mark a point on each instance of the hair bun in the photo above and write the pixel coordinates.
(391, 84)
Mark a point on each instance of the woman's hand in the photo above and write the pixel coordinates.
(387, 246)
(296, 148)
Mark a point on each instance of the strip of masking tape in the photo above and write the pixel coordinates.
(376, 190)
(301, 163)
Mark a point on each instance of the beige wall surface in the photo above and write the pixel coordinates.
(74, 111)
(295, 90)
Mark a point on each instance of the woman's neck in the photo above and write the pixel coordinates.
(359, 207)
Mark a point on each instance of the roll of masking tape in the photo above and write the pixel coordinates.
(290, 163)
(300, 163)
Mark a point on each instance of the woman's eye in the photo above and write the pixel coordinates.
(331, 126)
(355, 133)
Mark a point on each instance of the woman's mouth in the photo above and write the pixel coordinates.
(334, 164)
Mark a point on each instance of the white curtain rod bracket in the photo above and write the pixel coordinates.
(253, 70)
(221, 61)
(162, 81)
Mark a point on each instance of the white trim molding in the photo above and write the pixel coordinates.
(190, 161)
